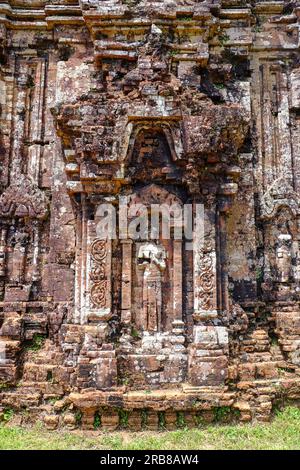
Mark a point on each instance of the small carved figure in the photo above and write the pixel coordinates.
(284, 257)
(152, 259)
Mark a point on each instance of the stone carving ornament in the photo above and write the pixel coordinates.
(99, 293)
(280, 194)
(206, 278)
(98, 272)
(23, 199)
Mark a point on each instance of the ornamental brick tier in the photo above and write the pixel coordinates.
(159, 102)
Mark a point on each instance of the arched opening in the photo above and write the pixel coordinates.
(151, 156)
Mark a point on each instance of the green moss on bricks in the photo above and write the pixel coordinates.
(97, 420)
(123, 418)
(36, 343)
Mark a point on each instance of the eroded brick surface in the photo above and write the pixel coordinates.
(160, 102)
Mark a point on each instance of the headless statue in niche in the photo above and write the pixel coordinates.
(284, 257)
(20, 241)
(152, 260)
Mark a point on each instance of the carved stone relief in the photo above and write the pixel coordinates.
(151, 260)
(99, 286)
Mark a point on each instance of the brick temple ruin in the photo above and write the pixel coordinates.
(193, 102)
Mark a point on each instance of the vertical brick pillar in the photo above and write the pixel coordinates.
(88, 416)
(171, 420)
(126, 280)
(109, 420)
(135, 420)
(152, 421)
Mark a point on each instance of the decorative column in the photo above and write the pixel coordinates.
(19, 257)
(97, 355)
(3, 251)
(204, 265)
(35, 148)
(126, 281)
(99, 280)
(93, 272)
(227, 192)
(36, 241)
(83, 279)
(223, 277)
(19, 122)
(297, 273)
(80, 263)
(208, 354)
(126, 338)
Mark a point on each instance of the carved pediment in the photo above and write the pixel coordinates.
(154, 194)
(280, 194)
